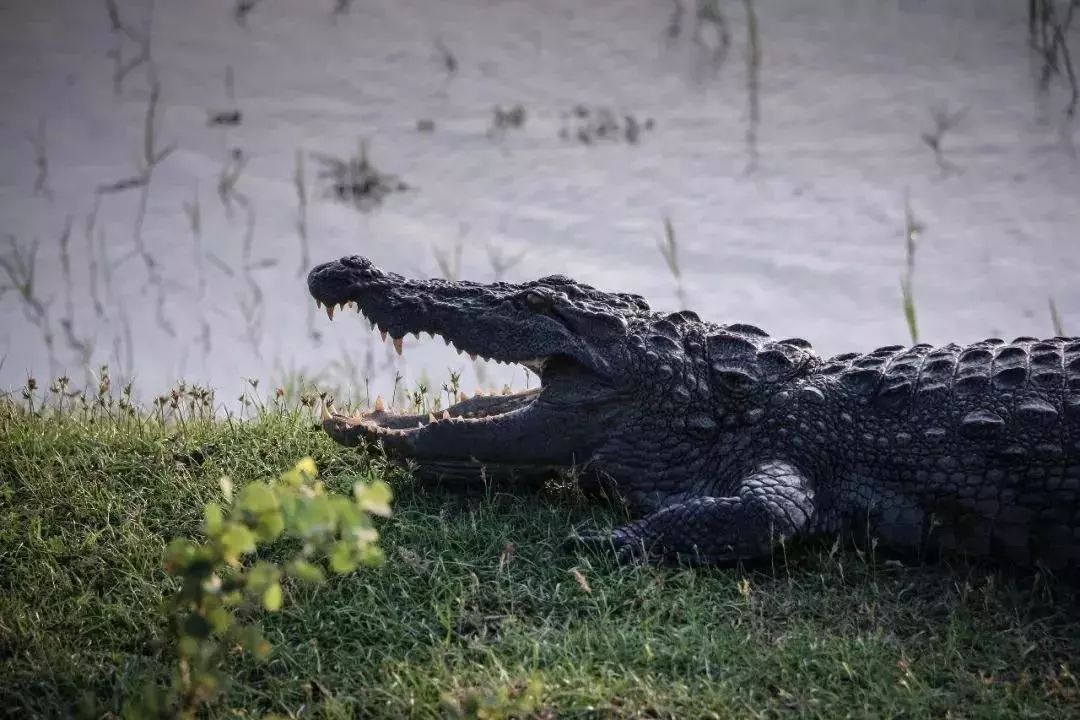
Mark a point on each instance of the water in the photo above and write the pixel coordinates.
(802, 235)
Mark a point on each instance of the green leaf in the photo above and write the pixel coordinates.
(307, 572)
(262, 576)
(214, 519)
(189, 646)
(341, 559)
(206, 683)
(272, 598)
(220, 619)
(364, 534)
(257, 498)
(236, 541)
(374, 497)
(178, 555)
(316, 517)
(270, 525)
(252, 640)
(306, 466)
(372, 556)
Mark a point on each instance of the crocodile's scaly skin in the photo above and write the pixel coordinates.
(725, 441)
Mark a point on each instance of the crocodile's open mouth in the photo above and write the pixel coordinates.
(529, 431)
(382, 423)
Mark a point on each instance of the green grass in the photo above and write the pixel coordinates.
(480, 595)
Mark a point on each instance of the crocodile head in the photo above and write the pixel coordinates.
(572, 336)
(623, 390)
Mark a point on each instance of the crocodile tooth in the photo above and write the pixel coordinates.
(462, 397)
(324, 413)
(473, 356)
(399, 345)
(318, 304)
(372, 324)
(478, 393)
(380, 404)
(431, 417)
(446, 340)
(445, 414)
(382, 334)
(330, 311)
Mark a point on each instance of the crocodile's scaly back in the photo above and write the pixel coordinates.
(981, 442)
(1027, 367)
(725, 441)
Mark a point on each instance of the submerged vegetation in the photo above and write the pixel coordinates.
(482, 608)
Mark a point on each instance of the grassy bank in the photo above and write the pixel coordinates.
(481, 596)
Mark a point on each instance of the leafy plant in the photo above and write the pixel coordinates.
(218, 587)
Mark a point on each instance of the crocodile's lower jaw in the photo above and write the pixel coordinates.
(381, 424)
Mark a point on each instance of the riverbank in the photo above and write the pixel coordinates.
(481, 599)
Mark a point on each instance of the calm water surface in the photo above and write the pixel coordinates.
(789, 212)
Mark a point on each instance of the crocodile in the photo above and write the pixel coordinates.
(724, 443)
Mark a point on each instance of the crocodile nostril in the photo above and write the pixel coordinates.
(356, 261)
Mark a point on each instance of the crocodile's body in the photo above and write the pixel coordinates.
(724, 441)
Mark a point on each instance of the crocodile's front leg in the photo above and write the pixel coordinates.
(774, 503)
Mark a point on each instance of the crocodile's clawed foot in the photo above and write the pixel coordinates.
(629, 545)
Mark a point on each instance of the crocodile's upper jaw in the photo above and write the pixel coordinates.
(536, 324)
